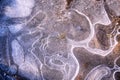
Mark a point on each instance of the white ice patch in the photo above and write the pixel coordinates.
(28, 69)
(15, 28)
(17, 52)
(22, 8)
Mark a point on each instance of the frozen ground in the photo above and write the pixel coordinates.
(59, 40)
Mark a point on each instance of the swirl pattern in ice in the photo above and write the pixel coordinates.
(59, 39)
